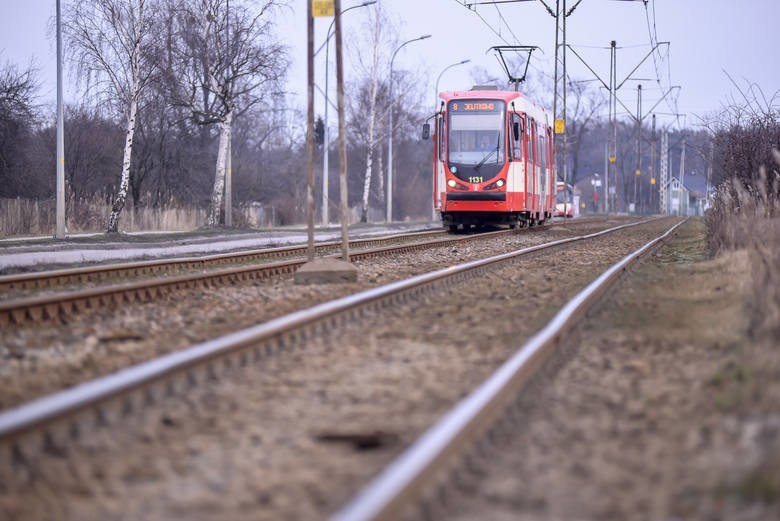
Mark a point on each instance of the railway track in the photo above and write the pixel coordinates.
(418, 482)
(62, 304)
(50, 424)
(99, 273)
(205, 271)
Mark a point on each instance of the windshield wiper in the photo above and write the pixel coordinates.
(487, 156)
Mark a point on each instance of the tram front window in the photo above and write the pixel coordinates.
(476, 133)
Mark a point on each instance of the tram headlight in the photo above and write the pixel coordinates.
(494, 185)
(451, 183)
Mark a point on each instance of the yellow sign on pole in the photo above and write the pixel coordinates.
(322, 7)
(612, 159)
(652, 180)
(638, 172)
(559, 126)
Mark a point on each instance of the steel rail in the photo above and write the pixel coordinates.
(95, 273)
(46, 307)
(232, 349)
(411, 476)
(51, 278)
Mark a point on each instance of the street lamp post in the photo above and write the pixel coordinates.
(325, 136)
(445, 69)
(390, 141)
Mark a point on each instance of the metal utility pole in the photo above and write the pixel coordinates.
(606, 177)
(709, 174)
(559, 108)
(683, 196)
(229, 159)
(638, 170)
(310, 133)
(613, 118)
(664, 174)
(60, 219)
(613, 87)
(342, 139)
(652, 166)
(326, 131)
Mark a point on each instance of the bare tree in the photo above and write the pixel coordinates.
(17, 118)
(223, 61)
(372, 55)
(112, 41)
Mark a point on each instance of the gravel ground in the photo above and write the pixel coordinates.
(294, 437)
(42, 358)
(665, 409)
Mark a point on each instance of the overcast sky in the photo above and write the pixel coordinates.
(707, 37)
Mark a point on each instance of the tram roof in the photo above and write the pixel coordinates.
(524, 103)
(506, 95)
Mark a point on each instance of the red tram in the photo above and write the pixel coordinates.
(493, 160)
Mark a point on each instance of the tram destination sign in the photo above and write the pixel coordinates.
(475, 106)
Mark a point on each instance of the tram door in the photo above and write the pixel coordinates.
(542, 171)
(441, 156)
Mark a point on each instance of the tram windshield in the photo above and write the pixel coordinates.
(476, 132)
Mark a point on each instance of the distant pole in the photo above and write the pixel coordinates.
(60, 230)
(663, 175)
(652, 167)
(310, 134)
(565, 168)
(326, 139)
(683, 194)
(613, 118)
(390, 139)
(709, 173)
(606, 176)
(342, 139)
(638, 170)
(326, 133)
(229, 159)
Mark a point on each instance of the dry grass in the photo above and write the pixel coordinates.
(23, 217)
(747, 216)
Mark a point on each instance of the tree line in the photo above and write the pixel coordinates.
(166, 86)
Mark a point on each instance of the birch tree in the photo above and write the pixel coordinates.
(372, 59)
(223, 60)
(112, 43)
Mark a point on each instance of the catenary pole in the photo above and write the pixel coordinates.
(60, 219)
(342, 139)
(652, 167)
(326, 131)
(228, 159)
(310, 133)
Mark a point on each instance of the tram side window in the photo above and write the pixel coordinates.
(517, 143)
(549, 144)
(440, 140)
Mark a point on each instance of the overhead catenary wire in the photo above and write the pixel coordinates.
(497, 32)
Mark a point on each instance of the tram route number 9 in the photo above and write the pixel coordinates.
(474, 106)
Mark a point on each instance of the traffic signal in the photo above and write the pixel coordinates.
(319, 131)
